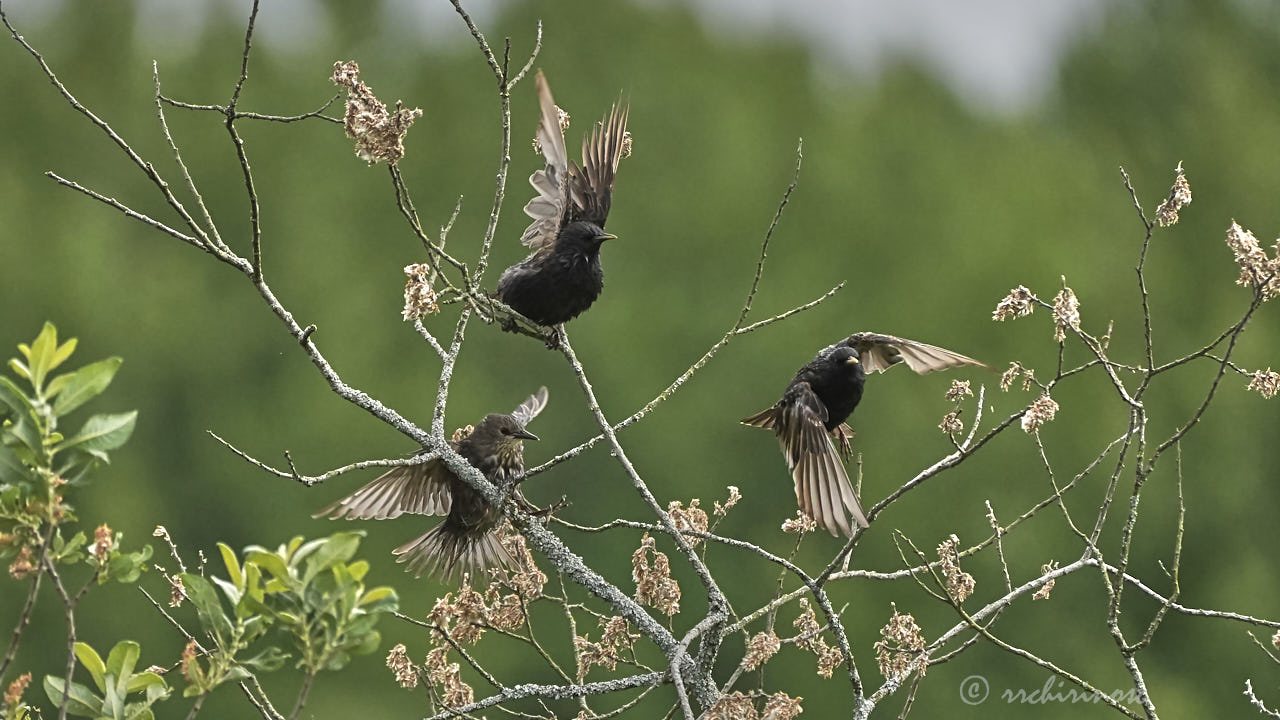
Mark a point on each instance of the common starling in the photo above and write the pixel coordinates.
(815, 405)
(562, 276)
(467, 538)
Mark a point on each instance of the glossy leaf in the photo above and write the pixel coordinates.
(82, 703)
(233, 565)
(103, 432)
(82, 385)
(92, 662)
(208, 608)
(339, 548)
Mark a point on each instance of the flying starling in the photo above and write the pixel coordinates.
(467, 538)
(815, 405)
(562, 276)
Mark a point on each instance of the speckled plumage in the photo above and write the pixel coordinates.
(466, 539)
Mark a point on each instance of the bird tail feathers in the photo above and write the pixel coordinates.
(442, 551)
(763, 419)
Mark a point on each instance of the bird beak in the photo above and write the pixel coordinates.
(606, 236)
(524, 434)
(853, 360)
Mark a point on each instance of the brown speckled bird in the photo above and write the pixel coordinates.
(815, 405)
(466, 539)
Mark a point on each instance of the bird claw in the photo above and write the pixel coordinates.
(843, 435)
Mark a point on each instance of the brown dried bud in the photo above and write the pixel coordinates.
(1266, 383)
(13, 695)
(1040, 412)
(400, 664)
(654, 585)
(379, 135)
(1043, 592)
(760, 648)
(951, 423)
(419, 297)
(1018, 303)
(901, 643)
(1179, 196)
(960, 585)
(1066, 312)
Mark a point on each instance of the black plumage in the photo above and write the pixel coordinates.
(466, 539)
(813, 408)
(562, 277)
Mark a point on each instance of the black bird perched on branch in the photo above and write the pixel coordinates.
(815, 405)
(467, 538)
(562, 276)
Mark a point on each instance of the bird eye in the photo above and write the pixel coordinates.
(506, 431)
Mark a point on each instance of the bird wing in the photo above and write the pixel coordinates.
(822, 486)
(591, 186)
(547, 208)
(879, 352)
(422, 489)
(530, 408)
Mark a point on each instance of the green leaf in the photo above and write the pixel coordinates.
(380, 599)
(144, 680)
(140, 712)
(82, 385)
(233, 566)
(103, 432)
(271, 563)
(120, 663)
(82, 700)
(208, 608)
(41, 353)
(92, 662)
(24, 428)
(232, 592)
(367, 644)
(358, 569)
(20, 369)
(268, 660)
(338, 548)
(63, 352)
(11, 468)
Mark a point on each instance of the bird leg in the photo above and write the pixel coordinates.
(843, 435)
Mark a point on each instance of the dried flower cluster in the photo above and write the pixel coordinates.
(1018, 303)
(1275, 639)
(734, 496)
(613, 641)
(419, 297)
(447, 677)
(690, 519)
(190, 668)
(1266, 383)
(1043, 592)
(13, 695)
(21, 566)
(400, 664)
(951, 423)
(1179, 196)
(177, 593)
(522, 574)
(810, 638)
(760, 648)
(1008, 376)
(564, 125)
(741, 706)
(102, 543)
(1066, 312)
(958, 390)
(1040, 412)
(1256, 269)
(901, 643)
(654, 585)
(801, 524)
(379, 135)
(960, 584)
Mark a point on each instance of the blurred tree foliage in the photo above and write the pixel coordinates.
(929, 209)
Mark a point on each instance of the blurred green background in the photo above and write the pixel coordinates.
(927, 204)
